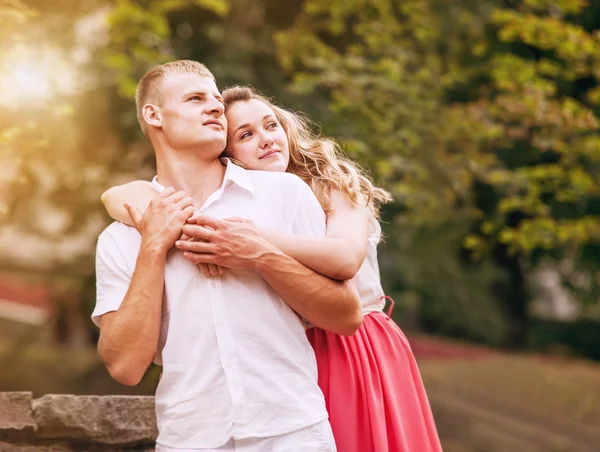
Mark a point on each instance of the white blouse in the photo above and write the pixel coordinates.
(367, 280)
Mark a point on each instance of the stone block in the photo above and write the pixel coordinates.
(113, 420)
(16, 415)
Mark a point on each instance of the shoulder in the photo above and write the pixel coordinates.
(274, 177)
(284, 183)
(117, 249)
(118, 234)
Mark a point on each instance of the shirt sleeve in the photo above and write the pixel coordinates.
(309, 218)
(113, 276)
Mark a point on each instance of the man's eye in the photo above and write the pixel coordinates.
(195, 98)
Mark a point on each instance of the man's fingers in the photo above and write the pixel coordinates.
(176, 197)
(166, 193)
(198, 232)
(185, 202)
(196, 247)
(211, 222)
(237, 219)
(134, 214)
(188, 211)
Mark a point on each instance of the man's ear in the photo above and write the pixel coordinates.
(152, 115)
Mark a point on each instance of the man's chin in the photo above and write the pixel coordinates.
(214, 145)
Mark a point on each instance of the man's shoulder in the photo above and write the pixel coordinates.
(118, 233)
(270, 179)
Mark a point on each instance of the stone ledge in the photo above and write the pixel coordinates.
(16, 415)
(103, 420)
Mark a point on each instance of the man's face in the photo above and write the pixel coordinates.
(192, 112)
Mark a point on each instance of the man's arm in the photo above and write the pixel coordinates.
(129, 335)
(329, 304)
(326, 303)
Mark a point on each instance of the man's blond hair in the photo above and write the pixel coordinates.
(148, 88)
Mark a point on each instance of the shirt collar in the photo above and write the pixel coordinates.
(233, 175)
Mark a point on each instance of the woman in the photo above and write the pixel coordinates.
(372, 386)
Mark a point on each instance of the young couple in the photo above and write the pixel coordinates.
(257, 291)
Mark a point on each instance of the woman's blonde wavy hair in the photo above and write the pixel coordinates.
(317, 160)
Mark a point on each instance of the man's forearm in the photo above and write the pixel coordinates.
(326, 303)
(129, 336)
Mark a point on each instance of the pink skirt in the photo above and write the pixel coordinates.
(373, 389)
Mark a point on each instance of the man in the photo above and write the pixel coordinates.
(238, 371)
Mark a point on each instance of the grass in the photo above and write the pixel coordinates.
(548, 387)
(507, 402)
(45, 369)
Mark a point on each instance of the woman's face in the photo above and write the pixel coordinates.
(255, 136)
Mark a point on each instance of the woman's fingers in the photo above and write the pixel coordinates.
(214, 269)
(198, 232)
(222, 270)
(194, 247)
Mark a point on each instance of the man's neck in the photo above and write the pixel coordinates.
(198, 178)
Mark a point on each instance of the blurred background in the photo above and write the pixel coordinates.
(480, 116)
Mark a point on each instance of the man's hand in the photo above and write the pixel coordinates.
(231, 243)
(161, 224)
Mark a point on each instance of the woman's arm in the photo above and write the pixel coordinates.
(138, 194)
(339, 254)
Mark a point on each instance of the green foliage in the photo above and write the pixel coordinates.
(480, 111)
(450, 298)
(438, 100)
(386, 66)
(140, 36)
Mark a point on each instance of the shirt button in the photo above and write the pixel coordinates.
(213, 284)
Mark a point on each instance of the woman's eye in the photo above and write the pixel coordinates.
(245, 135)
(195, 98)
(271, 125)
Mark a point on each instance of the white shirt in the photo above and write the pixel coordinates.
(236, 360)
(367, 280)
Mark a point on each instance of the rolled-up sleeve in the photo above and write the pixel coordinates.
(113, 275)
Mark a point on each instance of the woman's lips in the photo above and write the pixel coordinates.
(269, 154)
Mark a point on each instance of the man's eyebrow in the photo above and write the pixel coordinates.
(191, 93)
(246, 125)
(203, 93)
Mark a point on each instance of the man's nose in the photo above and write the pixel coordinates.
(216, 107)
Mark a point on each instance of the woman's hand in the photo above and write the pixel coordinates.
(231, 243)
(206, 269)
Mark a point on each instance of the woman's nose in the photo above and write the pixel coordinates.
(266, 140)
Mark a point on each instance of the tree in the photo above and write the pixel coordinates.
(490, 106)
(386, 66)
